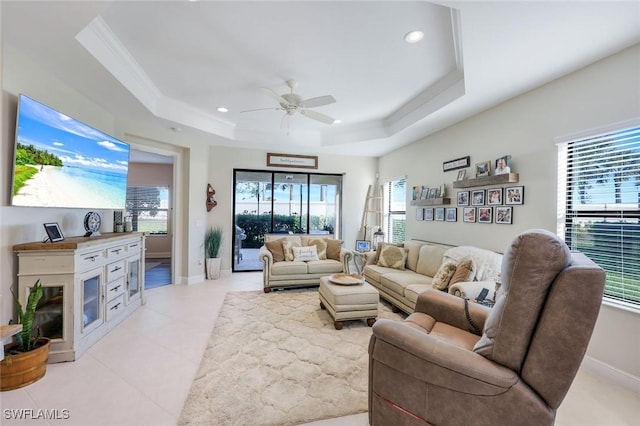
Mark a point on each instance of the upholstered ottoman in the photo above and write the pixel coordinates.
(349, 302)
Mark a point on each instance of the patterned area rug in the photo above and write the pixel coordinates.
(276, 359)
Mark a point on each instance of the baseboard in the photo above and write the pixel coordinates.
(612, 374)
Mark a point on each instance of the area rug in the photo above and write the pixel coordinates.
(276, 359)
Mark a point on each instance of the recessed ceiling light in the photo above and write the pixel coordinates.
(223, 109)
(337, 122)
(413, 36)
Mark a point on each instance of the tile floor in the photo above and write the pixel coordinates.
(141, 372)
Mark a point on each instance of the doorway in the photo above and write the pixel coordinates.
(281, 202)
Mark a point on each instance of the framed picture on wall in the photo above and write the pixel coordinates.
(440, 213)
(428, 213)
(504, 215)
(485, 214)
(514, 195)
(469, 214)
(463, 198)
(451, 214)
(477, 197)
(419, 213)
(494, 196)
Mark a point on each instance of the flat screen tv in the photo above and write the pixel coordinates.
(62, 162)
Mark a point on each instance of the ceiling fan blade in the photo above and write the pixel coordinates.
(261, 109)
(274, 95)
(317, 116)
(319, 101)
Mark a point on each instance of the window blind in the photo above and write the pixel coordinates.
(600, 196)
(395, 210)
(149, 208)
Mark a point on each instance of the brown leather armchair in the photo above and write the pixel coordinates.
(432, 369)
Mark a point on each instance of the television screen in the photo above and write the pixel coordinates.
(61, 162)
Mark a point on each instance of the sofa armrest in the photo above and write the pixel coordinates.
(471, 289)
(265, 256)
(453, 361)
(369, 257)
(346, 256)
(446, 308)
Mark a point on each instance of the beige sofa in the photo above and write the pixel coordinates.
(401, 287)
(281, 273)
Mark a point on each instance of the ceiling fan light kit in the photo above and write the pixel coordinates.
(292, 103)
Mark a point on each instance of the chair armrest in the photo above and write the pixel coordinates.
(345, 257)
(449, 360)
(449, 309)
(471, 289)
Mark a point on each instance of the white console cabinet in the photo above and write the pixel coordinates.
(90, 285)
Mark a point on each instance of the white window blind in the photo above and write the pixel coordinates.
(395, 206)
(149, 208)
(599, 201)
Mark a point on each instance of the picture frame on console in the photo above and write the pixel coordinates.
(54, 233)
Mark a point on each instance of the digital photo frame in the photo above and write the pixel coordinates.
(53, 232)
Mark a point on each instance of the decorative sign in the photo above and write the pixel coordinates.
(459, 163)
(290, 160)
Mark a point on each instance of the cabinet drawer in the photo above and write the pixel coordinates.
(91, 259)
(115, 288)
(133, 248)
(116, 252)
(115, 306)
(115, 270)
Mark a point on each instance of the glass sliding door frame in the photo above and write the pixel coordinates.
(281, 202)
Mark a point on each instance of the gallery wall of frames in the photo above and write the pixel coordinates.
(488, 198)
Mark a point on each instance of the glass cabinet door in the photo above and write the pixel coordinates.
(133, 277)
(91, 286)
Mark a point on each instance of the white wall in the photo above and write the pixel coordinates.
(525, 127)
(359, 173)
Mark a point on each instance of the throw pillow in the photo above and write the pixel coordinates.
(392, 257)
(321, 246)
(333, 249)
(287, 246)
(380, 247)
(275, 247)
(304, 254)
(444, 274)
(465, 271)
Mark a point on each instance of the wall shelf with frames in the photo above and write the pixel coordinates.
(487, 181)
(431, 202)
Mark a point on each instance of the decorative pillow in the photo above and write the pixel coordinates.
(380, 247)
(444, 274)
(305, 254)
(287, 246)
(333, 249)
(275, 247)
(321, 246)
(392, 257)
(465, 271)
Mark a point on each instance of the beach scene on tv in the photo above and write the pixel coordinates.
(62, 162)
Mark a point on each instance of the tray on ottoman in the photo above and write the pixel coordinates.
(348, 302)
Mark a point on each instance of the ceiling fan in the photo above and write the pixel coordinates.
(292, 103)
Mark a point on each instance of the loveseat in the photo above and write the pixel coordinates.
(463, 271)
(300, 260)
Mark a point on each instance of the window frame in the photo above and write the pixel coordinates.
(159, 209)
(388, 213)
(572, 210)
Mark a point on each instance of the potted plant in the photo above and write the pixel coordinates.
(212, 246)
(26, 358)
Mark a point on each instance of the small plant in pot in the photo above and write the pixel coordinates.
(212, 246)
(25, 359)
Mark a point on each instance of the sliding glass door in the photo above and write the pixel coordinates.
(281, 202)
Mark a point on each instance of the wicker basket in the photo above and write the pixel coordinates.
(22, 369)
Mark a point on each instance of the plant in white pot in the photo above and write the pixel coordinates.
(212, 246)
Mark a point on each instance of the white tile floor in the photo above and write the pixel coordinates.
(141, 372)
